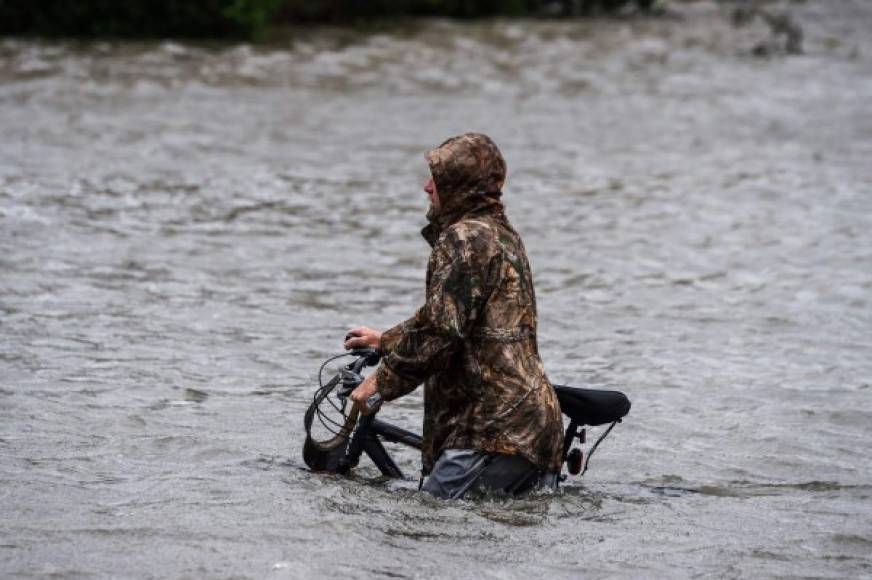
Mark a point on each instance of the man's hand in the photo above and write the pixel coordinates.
(362, 337)
(363, 392)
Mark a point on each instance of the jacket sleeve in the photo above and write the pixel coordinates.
(455, 292)
(392, 336)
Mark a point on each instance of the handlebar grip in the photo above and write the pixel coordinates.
(374, 401)
(371, 355)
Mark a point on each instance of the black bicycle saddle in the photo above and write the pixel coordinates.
(592, 406)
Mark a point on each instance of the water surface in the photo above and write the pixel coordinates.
(187, 230)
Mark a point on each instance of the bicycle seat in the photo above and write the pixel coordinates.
(592, 406)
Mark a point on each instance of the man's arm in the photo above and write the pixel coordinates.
(384, 342)
(392, 336)
(420, 346)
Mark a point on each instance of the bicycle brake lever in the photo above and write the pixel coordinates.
(344, 391)
(349, 381)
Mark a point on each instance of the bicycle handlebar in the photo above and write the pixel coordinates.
(351, 376)
(368, 357)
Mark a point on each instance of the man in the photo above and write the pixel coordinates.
(491, 418)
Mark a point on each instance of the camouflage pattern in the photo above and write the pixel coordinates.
(473, 343)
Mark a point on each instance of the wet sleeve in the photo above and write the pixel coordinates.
(454, 296)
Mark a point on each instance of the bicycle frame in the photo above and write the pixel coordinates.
(367, 439)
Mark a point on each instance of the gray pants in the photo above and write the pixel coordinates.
(460, 471)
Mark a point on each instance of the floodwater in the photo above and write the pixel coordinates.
(187, 230)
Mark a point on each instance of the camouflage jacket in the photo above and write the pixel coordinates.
(473, 343)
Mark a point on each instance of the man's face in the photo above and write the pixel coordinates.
(430, 188)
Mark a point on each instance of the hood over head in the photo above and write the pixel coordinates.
(469, 172)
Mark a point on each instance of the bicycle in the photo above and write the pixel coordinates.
(357, 434)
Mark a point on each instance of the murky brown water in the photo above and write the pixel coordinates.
(186, 231)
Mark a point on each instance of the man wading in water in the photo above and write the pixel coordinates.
(491, 418)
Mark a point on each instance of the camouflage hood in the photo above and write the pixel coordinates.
(469, 172)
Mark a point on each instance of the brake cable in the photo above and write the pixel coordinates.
(323, 394)
(596, 444)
